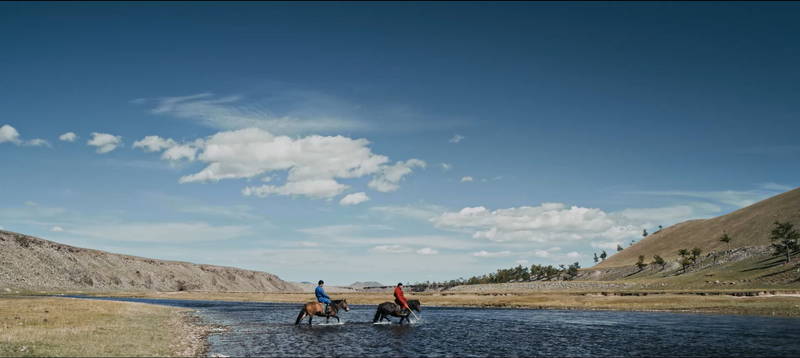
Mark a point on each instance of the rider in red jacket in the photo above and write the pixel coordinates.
(399, 298)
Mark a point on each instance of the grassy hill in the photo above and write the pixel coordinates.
(30, 263)
(748, 227)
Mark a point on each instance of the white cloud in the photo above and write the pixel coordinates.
(606, 245)
(104, 142)
(446, 166)
(484, 253)
(427, 251)
(456, 138)
(522, 262)
(466, 179)
(173, 150)
(353, 199)
(390, 176)
(38, 142)
(313, 162)
(56, 229)
(9, 134)
(391, 249)
(68, 137)
(301, 114)
(154, 143)
(549, 222)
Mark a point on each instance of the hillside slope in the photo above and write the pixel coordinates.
(31, 263)
(748, 227)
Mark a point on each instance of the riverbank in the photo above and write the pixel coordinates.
(48, 326)
(774, 303)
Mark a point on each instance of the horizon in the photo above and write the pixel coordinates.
(392, 142)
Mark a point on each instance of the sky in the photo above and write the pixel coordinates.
(389, 142)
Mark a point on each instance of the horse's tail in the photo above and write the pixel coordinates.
(377, 315)
(300, 316)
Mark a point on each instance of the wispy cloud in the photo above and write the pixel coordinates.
(457, 138)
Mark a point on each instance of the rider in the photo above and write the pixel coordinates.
(399, 298)
(322, 297)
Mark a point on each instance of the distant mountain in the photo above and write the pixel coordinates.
(28, 262)
(360, 284)
(747, 227)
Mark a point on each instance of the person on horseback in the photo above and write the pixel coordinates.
(322, 297)
(399, 298)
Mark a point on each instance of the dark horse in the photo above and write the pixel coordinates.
(312, 309)
(392, 309)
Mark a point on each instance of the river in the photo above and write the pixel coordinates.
(267, 329)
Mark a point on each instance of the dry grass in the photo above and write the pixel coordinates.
(46, 326)
(673, 301)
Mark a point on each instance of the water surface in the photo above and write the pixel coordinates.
(267, 329)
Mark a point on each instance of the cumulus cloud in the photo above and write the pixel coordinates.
(389, 176)
(68, 137)
(314, 163)
(456, 138)
(445, 166)
(56, 229)
(353, 199)
(466, 179)
(484, 253)
(104, 142)
(549, 222)
(9, 134)
(427, 251)
(154, 143)
(173, 150)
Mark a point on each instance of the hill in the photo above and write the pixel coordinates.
(748, 227)
(31, 263)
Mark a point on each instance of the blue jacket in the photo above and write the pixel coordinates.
(321, 296)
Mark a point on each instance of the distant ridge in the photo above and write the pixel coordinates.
(748, 227)
(31, 263)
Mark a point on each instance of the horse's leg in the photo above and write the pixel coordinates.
(337, 319)
(310, 316)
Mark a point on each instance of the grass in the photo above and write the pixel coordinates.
(46, 326)
(718, 301)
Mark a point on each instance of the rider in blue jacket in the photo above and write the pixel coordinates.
(322, 296)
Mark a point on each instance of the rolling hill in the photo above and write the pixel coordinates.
(30, 263)
(748, 227)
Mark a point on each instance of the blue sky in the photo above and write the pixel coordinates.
(389, 142)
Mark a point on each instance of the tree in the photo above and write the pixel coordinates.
(784, 239)
(603, 255)
(640, 264)
(619, 248)
(689, 257)
(596, 259)
(659, 228)
(644, 233)
(572, 271)
(657, 260)
(725, 238)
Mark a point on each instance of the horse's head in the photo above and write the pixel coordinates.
(342, 304)
(415, 305)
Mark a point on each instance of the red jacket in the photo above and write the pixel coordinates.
(399, 297)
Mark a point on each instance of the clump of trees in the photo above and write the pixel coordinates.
(619, 248)
(726, 239)
(689, 257)
(785, 239)
(658, 260)
(640, 264)
(515, 274)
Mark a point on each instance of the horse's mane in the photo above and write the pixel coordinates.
(336, 302)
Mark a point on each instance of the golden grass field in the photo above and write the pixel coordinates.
(46, 326)
(672, 301)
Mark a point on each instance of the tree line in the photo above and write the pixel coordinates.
(518, 273)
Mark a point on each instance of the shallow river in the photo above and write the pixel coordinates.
(267, 329)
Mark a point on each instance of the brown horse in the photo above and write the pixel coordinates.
(387, 309)
(312, 309)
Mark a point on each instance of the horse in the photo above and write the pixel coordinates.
(392, 309)
(312, 309)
